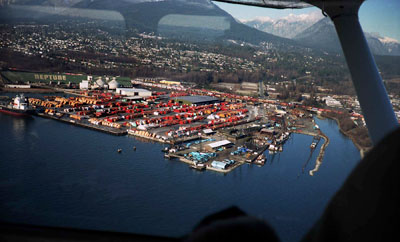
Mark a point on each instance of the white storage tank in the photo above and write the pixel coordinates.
(113, 84)
(100, 83)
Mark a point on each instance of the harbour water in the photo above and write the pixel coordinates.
(57, 174)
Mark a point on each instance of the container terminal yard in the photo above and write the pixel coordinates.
(205, 129)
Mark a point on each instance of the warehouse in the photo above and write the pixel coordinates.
(219, 165)
(219, 144)
(197, 100)
(136, 92)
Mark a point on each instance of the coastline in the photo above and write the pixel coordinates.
(363, 150)
(29, 90)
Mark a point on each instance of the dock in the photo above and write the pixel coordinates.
(318, 162)
(238, 160)
(130, 132)
(104, 129)
(159, 118)
(320, 157)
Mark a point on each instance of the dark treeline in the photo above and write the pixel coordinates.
(347, 125)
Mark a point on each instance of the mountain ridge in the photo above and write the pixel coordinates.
(287, 26)
(145, 16)
(322, 35)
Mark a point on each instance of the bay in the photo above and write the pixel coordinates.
(57, 174)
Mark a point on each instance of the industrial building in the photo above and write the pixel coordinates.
(249, 86)
(331, 102)
(197, 100)
(113, 84)
(219, 144)
(219, 165)
(133, 92)
(84, 85)
(100, 83)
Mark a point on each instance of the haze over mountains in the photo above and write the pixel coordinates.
(195, 19)
(287, 27)
(198, 19)
(315, 31)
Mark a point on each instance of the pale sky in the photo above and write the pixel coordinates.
(381, 16)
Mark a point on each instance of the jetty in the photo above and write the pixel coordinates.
(316, 136)
(104, 129)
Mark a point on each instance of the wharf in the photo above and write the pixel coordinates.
(260, 152)
(208, 167)
(103, 129)
(239, 160)
(322, 149)
(229, 169)
(171, 142)
(68, 91)
(321, 154)
(184, 139)
(148, 137)
(181, 158)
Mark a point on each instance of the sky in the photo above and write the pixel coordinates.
(376, 16)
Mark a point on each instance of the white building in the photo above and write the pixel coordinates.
(133, 92)
(331, 102)
(99, 84)
(219, 144)
(84, 85)
(113, 84)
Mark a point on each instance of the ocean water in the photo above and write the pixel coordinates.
(57, 174)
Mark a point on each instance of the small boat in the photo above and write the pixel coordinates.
(199, 167)
(260, 160)
(313, 145)
(119, 150)
(134, 147)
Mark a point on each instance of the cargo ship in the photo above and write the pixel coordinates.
(18, 107)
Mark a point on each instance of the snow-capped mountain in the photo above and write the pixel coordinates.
(322, 35)
(288, 26)
(392, 46)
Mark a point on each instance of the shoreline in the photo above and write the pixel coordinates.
(363, 150)
(103, 129)
(29, 90)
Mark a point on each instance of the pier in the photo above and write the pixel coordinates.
(104, 129)
(322, 149)
(207, 166)
(318, 162)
